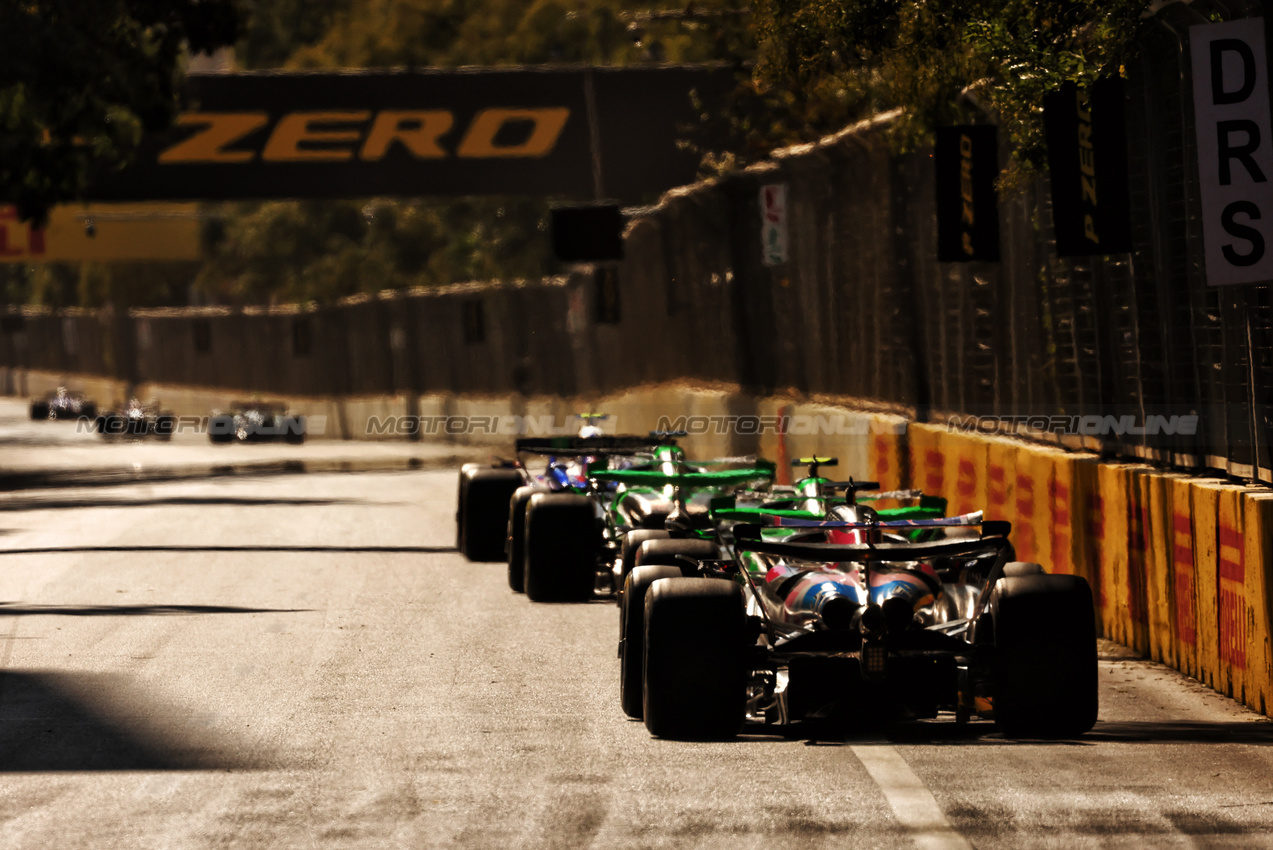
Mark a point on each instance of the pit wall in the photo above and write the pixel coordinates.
(1180, 566)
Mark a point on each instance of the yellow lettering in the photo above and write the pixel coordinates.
(1089, 190)
(1083, 107)
(967, 244)
(220, 130)
(297, 129)
(1089, 229)
(1087, 162)
(417, 130)
(1085, 136)
(479, 141)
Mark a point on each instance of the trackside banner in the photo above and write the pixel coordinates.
(1087, 162)
(514, 131)
(1235, 149)
(966, 161)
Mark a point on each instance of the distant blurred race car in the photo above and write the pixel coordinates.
(63, 404)
(256, 421)
(137, 419)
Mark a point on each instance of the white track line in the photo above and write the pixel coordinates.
(912, 803)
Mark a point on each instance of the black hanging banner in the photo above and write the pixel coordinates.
(1087, 162)
(573, 133)
(966, 160)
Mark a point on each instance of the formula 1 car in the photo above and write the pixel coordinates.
(847, 617)
(570, 546)
(491, 494)
(63, 404)
(811, 498)
(137, 419)
(255, 422)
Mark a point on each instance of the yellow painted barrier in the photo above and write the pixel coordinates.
(1183, 577)
(966, 457)
(1123, 554)
(1258, 510)
(1206, 526)
(889, 452)
(927, 464)
(1234, 595)
(1001, 484)
(1160, 546)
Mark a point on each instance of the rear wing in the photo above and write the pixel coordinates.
(574, 445)
(655, 478)
(993, 541)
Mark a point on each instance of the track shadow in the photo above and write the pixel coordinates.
(393, 550)
(11, 609)
(173, 501)
(103, 722)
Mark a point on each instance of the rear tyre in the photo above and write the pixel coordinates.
(88, 410)
(294, 429)
(1044, 670)
(1016, 569)
(631, 543)
(221, 429)
(695, 661)
(668, 552)
(515, 545)
(39, 410)
(483, 510)
(165, 426)
(632, 634)
(562, 543)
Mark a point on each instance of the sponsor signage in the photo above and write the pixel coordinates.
(103, 233)
(521, 131)
(966, 163)
(1087, 162)
(773, 223)
(1235, 149)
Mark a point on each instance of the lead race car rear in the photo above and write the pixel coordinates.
(847, 617)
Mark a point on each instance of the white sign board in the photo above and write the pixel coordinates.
(773, 223)
(1235, 149)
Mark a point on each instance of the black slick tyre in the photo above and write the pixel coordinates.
(515, 545)
(632, 634)
(1044, 669)
(562, 544)
(695, 682)
(483, 510)
(670, 551)
(221, 429)
(39, 410)
(631, 543)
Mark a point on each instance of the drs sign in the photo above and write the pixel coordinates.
(1235, 149)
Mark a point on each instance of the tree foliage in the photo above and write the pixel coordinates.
(82, 80)
(943, 61)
